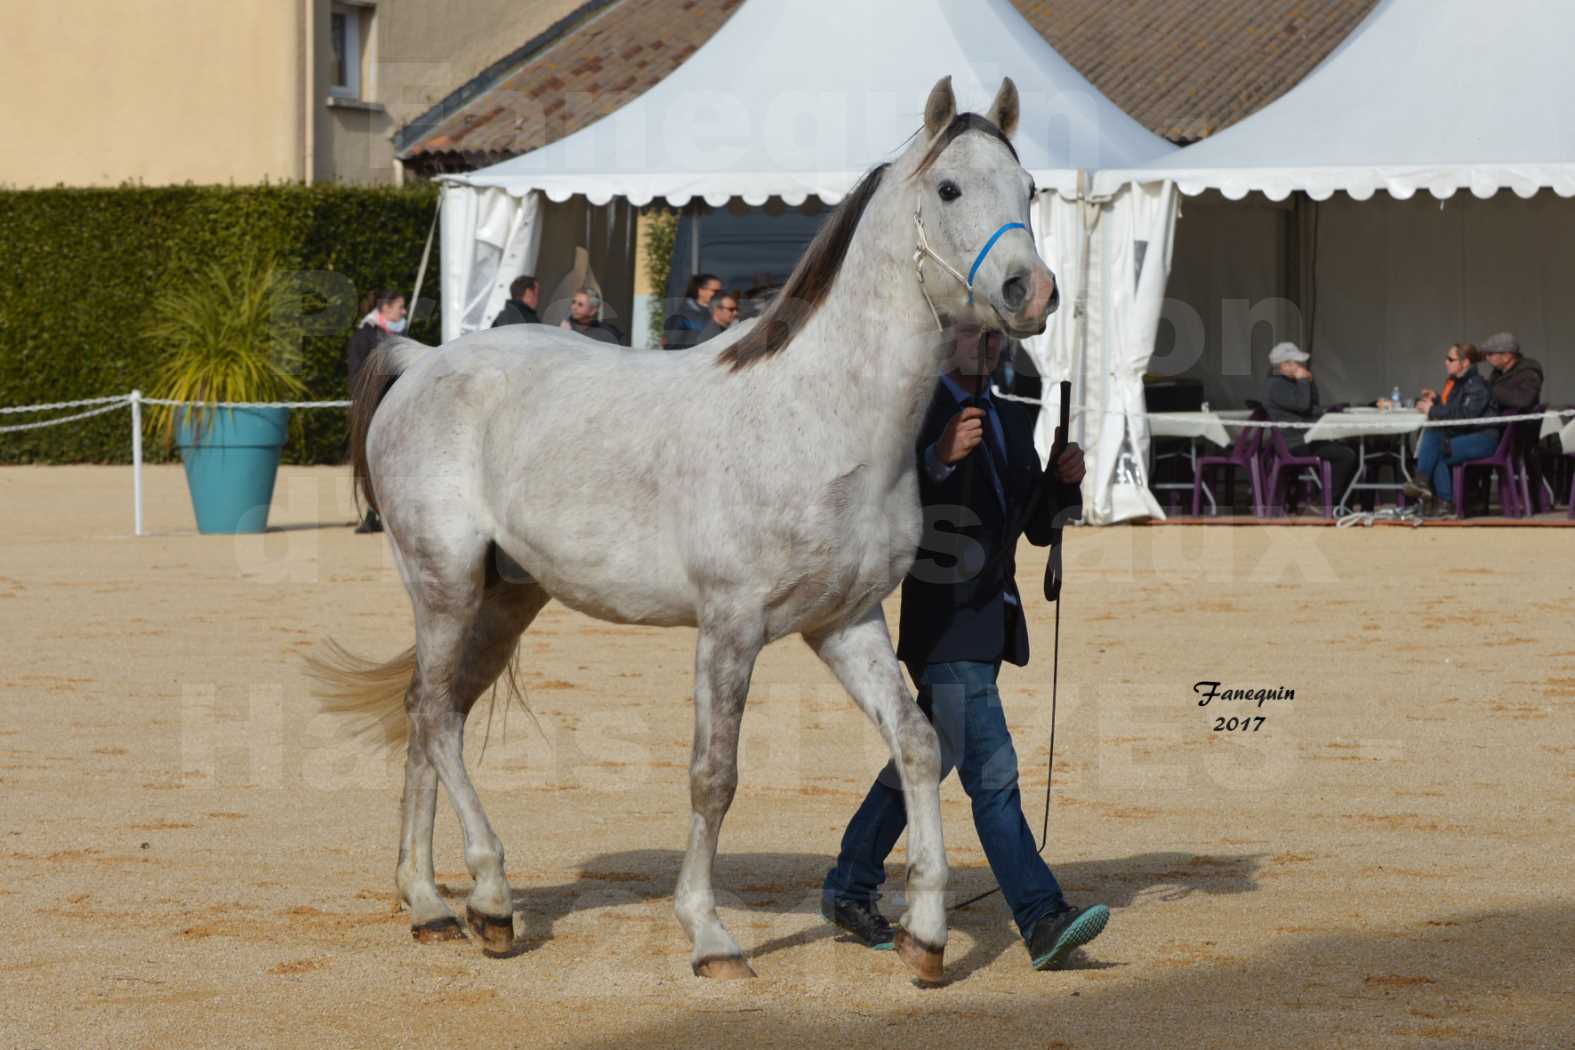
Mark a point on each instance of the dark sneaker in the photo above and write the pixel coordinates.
(861, 919)
(372, 523)
(1055, 936)
(1416, 490)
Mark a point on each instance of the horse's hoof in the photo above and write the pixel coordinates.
(445, 929)
(723, 968)
(496, 933)
(925, 960)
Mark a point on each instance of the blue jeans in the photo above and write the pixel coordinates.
(962, 703)
(1437, 469)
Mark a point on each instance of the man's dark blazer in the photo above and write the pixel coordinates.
(954, 603)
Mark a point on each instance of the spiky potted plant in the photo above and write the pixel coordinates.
(228, 335)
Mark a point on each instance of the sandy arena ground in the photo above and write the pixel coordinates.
(192, 856)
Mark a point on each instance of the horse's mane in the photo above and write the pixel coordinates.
(812, 279)
(815, 273)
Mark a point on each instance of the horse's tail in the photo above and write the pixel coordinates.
(382, 366)
(371, 693)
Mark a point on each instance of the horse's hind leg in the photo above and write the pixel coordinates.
(724, 660)
(859, 653)
(462, 646)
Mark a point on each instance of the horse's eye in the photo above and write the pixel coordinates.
(949, 191)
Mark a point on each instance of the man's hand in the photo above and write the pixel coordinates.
(1428, 394)
(961, 436)
(1069, 466)
(1302, 372)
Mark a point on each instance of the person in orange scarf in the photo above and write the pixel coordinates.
(1465, 396)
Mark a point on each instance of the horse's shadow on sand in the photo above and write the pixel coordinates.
(788, 884)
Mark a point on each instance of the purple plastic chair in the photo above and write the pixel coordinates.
(1504, 463)
(1572, 491)
(1281, 460)
(1244, 453)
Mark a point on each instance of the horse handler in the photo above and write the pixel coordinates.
(982, 487)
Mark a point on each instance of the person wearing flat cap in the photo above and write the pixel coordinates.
(1516, 382)
(1291, 396)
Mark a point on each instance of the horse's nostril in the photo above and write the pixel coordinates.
(1015, 292)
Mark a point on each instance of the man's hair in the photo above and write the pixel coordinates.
(520, 285)
(1501, 343)
(697, 282)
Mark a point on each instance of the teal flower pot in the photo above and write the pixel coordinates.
(231, 464)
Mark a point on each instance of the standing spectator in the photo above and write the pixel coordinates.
(524, 295)
(683, 328)
(384, 316)
(585, 318)
(1516, 382)
(1291, 396)
(1465, 396)
(724, 312)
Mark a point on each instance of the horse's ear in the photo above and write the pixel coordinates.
(1006, 108)
(941, 109)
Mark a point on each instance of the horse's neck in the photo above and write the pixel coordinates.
(872, 351)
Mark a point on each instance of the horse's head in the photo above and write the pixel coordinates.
(969, 200)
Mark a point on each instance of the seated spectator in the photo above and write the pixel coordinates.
(1465, 396)
(724, 311)
(1516, 382)
(683, 327)
(524, 296)
(585, 318)
(1291, 396)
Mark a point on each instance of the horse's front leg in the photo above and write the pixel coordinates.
(860, 654)
(724, 660)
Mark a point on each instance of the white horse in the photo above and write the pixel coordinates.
(759, 486)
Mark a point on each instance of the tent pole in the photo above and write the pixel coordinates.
(694, 237)
(1080, 312)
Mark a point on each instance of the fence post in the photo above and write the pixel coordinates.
(136, 460)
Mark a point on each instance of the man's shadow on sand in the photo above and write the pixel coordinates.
(783, 884)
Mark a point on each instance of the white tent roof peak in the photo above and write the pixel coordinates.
(1441, 95)
(799, 99)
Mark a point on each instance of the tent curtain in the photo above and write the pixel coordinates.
(1058, 230)
(489, 237)
(1137, 236)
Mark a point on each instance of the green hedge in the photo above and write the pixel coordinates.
(79, 268)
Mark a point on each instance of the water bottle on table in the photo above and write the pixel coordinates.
(1394, 398)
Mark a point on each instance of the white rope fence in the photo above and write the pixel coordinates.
(135, 401)
(1329, 421)
(98, 406)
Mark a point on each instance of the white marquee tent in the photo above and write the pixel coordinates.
(1434, 95)
(798, 100)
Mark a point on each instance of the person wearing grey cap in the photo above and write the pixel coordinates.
(1291, 396)
(1516, 382)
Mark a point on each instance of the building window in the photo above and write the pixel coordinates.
(349, 33)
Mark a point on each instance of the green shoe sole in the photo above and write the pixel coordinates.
(1085, 928)
(883, 946)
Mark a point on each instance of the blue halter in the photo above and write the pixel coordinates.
(978, 262)
(923, 250)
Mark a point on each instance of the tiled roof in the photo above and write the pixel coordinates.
(1188, 68)
(1183, 68)
(616, 54)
